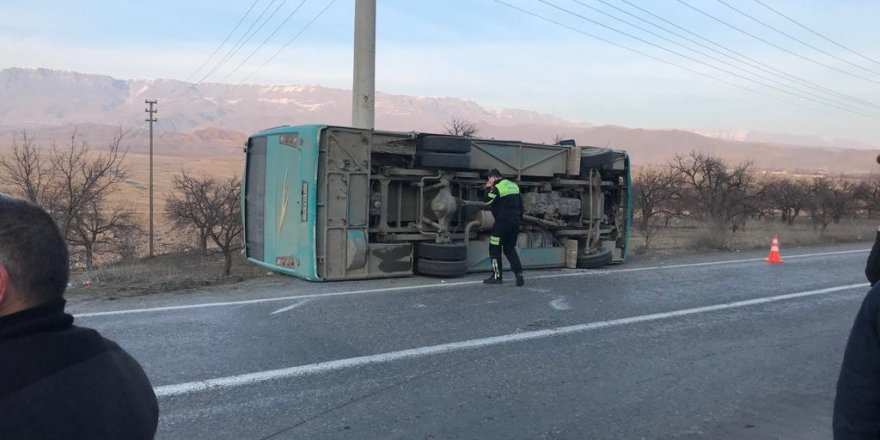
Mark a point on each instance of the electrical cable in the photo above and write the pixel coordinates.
(687, 57)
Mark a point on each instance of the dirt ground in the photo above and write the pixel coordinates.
(163, 273)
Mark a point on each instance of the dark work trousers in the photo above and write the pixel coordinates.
(504, 234)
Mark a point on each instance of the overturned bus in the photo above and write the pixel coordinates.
(336, 203)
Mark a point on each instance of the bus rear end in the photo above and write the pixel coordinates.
(279, 191)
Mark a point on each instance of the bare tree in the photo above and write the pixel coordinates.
(822, 195)
(96, 226)
(228, 228)
(189, 206)
(461, 127)
(210, 207)
(24, 171)
(72, 183)
(870, 195)
(654, 190)
(82, 180)
(128, 243)
(845, 201)
(789, 196)
(723, 196)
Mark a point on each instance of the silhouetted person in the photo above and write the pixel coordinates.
(872, 268)
(506, 204)
(57, 380)
(857, 403)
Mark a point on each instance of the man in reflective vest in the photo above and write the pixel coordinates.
(506, 204)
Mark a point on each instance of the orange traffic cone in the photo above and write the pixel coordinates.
(774, 257)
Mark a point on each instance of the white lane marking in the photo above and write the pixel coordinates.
(328, 366)
(291, 307)
(689, 265)
(560, 303)
(822, 254)
(537, 290)
(443, 285)
(267, 300)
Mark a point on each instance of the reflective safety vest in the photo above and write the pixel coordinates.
(505, 201)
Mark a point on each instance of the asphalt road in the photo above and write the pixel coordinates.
(716, 346)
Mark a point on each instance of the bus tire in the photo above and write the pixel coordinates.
(593, 157)
(599, 258)
(445, 251)
(443, 144)
(444, 160)
(438, 268)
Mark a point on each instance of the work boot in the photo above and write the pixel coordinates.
(519, 280)
(492, 280)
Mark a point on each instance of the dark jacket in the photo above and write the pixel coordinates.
(872, 269)
(857, 404)
(59, 381)
(505, 201)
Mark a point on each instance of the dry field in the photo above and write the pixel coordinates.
(684, 239)
(134, 193)
(176, 266)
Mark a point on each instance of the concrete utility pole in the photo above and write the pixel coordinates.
(151, 120)
(363, 104)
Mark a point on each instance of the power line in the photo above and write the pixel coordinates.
(737, 56)
(228, 36)
(690, 58)
(696, 72)
(820, 50)
(238, 44)
(217, 49)
(776, 45)
(254, 52)
(258, 29)
(817, 33)
(289, 42)
(716, 59)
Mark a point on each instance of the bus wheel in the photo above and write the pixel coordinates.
(595, 259)
(445, 251)
(440, 268)
(596, 158)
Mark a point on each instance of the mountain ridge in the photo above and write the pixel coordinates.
(215, 119)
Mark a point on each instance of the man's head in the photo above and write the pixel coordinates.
(494, 176)
(34, 264)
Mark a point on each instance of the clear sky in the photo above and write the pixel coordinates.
(500, 57)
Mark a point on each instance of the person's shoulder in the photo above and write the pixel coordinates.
(872, 298)
(95, 337)
(115, 362)
(870, 308)
(98, 344)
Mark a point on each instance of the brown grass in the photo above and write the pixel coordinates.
(685, 239)
(160, 274)
(134, 192)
